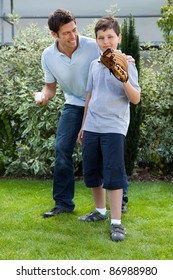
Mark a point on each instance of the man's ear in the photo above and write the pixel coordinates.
(54, 34)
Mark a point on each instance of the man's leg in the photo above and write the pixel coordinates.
(125, 200)
(63, 185)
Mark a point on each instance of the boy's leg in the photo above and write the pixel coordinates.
(115, 179)
(99, 197)
(100, 213)
(63, 184)
(92, 170)
(115, 202)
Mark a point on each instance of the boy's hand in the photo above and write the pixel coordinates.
(80, 136)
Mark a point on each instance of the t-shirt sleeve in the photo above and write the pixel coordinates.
(48, 77)
(133, 75)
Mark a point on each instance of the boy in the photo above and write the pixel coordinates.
(105, 124)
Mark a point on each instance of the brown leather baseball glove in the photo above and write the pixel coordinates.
(116, 62)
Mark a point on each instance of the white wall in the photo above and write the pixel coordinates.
(146, 27)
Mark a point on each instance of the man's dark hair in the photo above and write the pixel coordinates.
(107, 22)
(59, 18)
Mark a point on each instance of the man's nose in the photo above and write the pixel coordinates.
(72, 34)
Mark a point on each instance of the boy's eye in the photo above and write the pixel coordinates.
(102, 38)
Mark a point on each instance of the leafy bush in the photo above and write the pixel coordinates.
(130, 46)
(165, 23)
(27, 130)
(155, 147)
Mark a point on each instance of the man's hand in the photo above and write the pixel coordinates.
(130, 58)
(40, 98)
(47, 93)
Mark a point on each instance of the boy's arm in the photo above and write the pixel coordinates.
(80, 135)
(132, 93)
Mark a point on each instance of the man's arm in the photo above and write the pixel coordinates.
(48, 92)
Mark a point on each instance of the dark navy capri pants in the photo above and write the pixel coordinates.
(103, 160)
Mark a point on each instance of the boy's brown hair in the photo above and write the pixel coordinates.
(107, 22)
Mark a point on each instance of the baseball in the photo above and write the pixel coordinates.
(38, 96)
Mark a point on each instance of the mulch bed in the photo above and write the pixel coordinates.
(139, 174)
(144, 175)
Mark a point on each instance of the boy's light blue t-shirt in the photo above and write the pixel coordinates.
(108, 109)
(70, 73)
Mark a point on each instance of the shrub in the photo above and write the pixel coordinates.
(27, 130)
(130, 46)
(165, 23)
(155, 146)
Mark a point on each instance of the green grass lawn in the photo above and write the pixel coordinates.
(25, 235)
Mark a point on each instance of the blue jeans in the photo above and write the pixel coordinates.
(68, 128)
(125, 197)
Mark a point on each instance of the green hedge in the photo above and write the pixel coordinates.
(27, 131)
(30, 148)
(156, 80)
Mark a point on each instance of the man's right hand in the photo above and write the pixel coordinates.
(40, 98)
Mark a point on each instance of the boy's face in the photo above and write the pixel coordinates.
(107, 39)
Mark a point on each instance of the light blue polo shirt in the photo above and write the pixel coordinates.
(70, 73)
(108, 108)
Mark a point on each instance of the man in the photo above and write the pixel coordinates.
(66, 62)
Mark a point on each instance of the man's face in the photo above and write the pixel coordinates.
(68, 35)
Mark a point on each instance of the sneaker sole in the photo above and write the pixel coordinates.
(44, 215)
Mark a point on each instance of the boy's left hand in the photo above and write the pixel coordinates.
(116, 62)
(80, 136)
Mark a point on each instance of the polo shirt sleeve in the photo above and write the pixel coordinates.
(48, 77)
(133, 75)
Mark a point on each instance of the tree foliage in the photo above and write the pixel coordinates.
(130, 46)
(27, 130)
(155, 145)
(165, 23)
